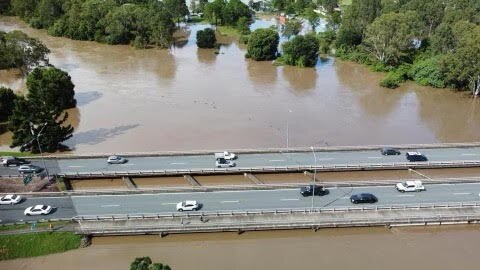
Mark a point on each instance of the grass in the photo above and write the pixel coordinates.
(27, 225)
(228, 31)
(17, 154)
(37, 244)
(345, 2)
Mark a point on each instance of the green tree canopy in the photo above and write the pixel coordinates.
(17, 50)
(391, 36)
(312, 17)
(145, 263)
(177, 8)
(263, 45)
(51, 85)
(7, 98)
(206, 38)
(301, 51)
(292, 28)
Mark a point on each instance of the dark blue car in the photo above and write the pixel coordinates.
(363, 198)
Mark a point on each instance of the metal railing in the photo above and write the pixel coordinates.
(270, 169)
(278, 211)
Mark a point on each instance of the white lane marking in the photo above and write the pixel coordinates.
(177, 163)
(469, 154)
(277, 160)
(289, 199)
(110, 205)
(75, 166)
(323, 159)
(128, 164)
(462, 193)
(230, 201)
(375, 157)
(169, 203)
(346, 197)
(405, 195)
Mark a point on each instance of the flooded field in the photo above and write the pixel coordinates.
(181, 99)
(439, 248)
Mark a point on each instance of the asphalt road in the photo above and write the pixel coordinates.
(247, 160)
(12, 213)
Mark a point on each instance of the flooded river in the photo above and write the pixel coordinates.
(185, 98)
(439, 248)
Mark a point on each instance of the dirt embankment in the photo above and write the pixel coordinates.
(15, 185)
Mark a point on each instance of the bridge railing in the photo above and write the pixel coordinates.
(278, 211)
(267, 169)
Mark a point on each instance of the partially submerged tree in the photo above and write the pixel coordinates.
(301, 51)
(17, 50)
(263, 45)
(206, 38)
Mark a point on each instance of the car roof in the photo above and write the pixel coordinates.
(38, 206)
(190, 202)
(414, 153)
(413, 182)
(9, 196)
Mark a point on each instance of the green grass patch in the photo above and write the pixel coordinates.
(345, 2)
(37, 244)
(228, 31)
(27, 225)
(17, 154)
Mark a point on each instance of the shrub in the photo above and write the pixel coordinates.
(427, 72)
(301, 51)
(263, 45)
(395, 77)
(206, 38)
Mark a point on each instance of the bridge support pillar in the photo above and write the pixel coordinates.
(253, 178)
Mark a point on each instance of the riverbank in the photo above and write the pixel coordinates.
(37, 244)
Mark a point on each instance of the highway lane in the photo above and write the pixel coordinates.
(262, 160)
(245, 160)
(268, 199)
(63, 209)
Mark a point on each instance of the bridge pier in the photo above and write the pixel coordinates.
(253, 178)
(129, 182)
(191, 180)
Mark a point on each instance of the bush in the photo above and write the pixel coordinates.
(301, 51)
(145, 263)
(263, 45)
(7, 97)
(396, 77)
(427, 72)
(206, 38)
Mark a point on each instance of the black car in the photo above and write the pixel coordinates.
(363, 198)
(311, 189)
(389, 151)
(415, 156)
(9, 161)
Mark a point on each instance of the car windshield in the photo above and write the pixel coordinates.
(44, 207)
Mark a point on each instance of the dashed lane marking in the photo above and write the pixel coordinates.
(462, 193)
(110, 205)
(177, 163)
(277, 160)
(289, 199)
(230, 201)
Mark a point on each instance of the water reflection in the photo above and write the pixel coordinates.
(262, 74)
(96, 136)
(206, 56)
(300, 79)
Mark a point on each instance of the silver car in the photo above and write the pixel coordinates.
(29, 169)
(116, 160)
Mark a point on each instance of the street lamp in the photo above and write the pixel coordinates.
(288, 126)
(314, 174)
(32, 126)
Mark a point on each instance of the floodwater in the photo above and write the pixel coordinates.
(186, 98)
(439, 248)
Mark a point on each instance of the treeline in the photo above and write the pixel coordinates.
(141, 23)
(232, 12)
(434, 42)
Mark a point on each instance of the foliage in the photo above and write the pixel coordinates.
(145, 263)
(243, 25)
(37, 244)
(396, 77)
(140, 23)
(428, 72)
(312, 17)
(7, 97)
(17, 50)
(390, 37)
(206, 38)
(301, 51)
(227, 12)
(52, 86)
(263, 45)
(292, 28)
(41, 114)
(325, 40)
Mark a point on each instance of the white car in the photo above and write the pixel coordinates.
(223, 163)
(410, 186)
(38, 210)
(10, 199)
(116, 160)
(188, 206)
(226, 155)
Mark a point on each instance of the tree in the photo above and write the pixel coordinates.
(145, 263)
(53, 86)
(214, 11)
(243, 25)
(233, 11)
(206, 38)
(312, 17)
(177, 8)
(263, 45)
(17, 50)
(7, 98)
(355, 20)
(391, 36)
(301, 51)
(461, 66)
(292, 28)
(430, 12)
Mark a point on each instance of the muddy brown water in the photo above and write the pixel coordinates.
(190, 99)
(337, 249)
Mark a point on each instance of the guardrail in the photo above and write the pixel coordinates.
(278, 211)
(236, 170)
